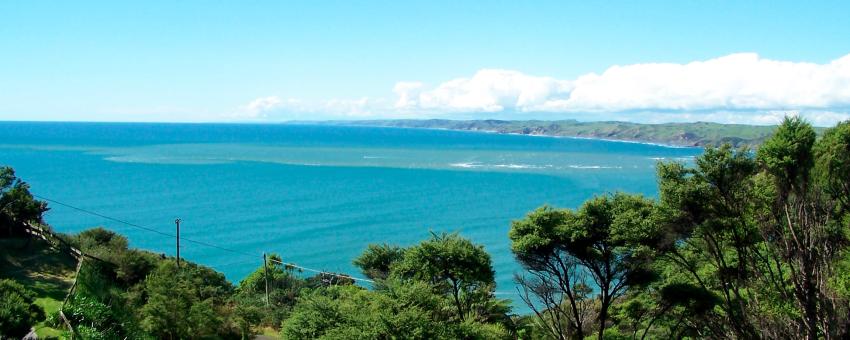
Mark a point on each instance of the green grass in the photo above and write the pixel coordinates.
(268, 333)
(50, 306)
(46, 271)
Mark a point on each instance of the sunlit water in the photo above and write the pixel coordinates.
(317, 195)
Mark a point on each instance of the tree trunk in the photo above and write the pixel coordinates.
(603, 316)
(810, 306)
(456, 294)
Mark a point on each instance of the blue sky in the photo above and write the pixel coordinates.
(270, 61)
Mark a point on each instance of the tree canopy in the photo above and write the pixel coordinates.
(608, 239)
(17, 204)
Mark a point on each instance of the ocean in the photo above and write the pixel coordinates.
(316, 195)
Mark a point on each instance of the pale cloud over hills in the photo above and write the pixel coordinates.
(737, 88)
(486, 91)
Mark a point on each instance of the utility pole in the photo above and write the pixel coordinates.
(266, 268)
(177, 222)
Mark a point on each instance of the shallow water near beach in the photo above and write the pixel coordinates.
(316, 195)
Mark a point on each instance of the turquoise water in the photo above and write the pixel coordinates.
(317, 195)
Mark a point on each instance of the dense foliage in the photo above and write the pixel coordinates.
(742, 244)
(17, 205)
(17, 309)
(441, 288)
(602, 245)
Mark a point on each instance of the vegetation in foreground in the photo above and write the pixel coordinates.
(743, 244)
(46, 274)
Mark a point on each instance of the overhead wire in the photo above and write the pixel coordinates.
(239, 262)
(202, 243)
(321, 271)
(101, 215)
(206, 244)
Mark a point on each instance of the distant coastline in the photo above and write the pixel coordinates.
(698, 134)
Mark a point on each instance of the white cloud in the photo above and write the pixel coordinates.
(276, 108)
(737, 81)
(258, 107)
(408, 93)
(825, 118)
(737, 88)
(741, 81)
(265, 103)
(486, 91)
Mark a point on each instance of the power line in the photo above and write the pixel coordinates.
(218, 247)
(141, 227)
(102, 216)
(206, 244)
(238, 262)
(288, 264)
(321, 271)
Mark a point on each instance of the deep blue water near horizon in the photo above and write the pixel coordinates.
(316, 195)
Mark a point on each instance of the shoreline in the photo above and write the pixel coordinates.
(664, 145)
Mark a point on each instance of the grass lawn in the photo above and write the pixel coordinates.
(48, 272)
(267, 333)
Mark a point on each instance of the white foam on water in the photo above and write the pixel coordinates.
(467, 165)
(517, 166)
(593, 167)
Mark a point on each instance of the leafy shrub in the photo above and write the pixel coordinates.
(17, 310)
(93, 318)
(54, 320)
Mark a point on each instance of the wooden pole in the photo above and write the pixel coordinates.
(266, 268)
(177, 222)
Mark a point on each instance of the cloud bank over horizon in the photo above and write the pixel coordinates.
(736, 88)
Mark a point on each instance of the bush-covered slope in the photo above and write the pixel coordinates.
(47, 272)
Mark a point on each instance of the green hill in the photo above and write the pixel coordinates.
(678, 134)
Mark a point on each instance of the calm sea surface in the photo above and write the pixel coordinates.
(317, 195)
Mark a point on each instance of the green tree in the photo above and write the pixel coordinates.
(609, 238)
(762, 232)
(788, 155)
(377, 260)
(452, 265)
(832, 165)
(612, 237)
(284, 288)
(708, 212)
(403, 310)
(554, 278)
(127, 266)
(804, 225)
(189, 302)
(18, 312)
(17, 204)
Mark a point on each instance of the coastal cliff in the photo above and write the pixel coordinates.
(677, 134)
